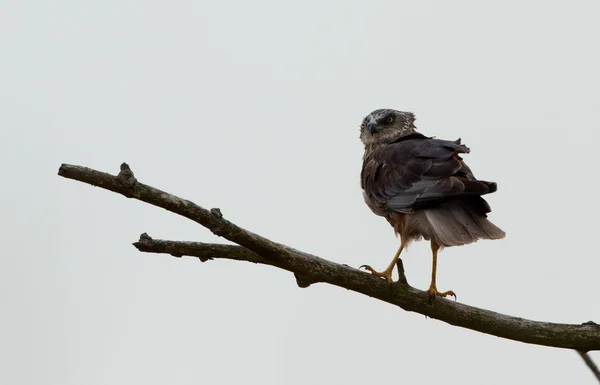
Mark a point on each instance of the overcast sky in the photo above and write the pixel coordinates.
(254, 107)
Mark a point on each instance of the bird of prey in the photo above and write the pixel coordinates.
(422, 187)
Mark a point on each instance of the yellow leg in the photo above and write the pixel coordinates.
(432, 288)
(387, 273)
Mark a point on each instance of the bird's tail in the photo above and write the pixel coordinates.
(461, 222)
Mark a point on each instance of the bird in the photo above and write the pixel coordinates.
(422, 187)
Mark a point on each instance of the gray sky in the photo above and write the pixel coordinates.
(254, 107)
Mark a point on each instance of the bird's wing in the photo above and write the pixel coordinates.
(419, 172)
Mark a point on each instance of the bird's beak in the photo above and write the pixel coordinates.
(372, 127)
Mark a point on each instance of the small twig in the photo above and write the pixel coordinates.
(401, 275)
(311, 269)
(204, 251)
(590, 364)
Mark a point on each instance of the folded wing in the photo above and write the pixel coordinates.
(419, 172)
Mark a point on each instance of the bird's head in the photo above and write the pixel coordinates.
(385, 125)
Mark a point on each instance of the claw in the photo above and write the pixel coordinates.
(368, 268)
(387, 274)
(433, 292)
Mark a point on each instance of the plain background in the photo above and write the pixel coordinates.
(254, 107)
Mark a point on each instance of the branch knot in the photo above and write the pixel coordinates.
(126, 176)
(304, 281)
(218, 228)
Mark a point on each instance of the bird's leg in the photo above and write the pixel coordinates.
(387, 273)
(432, 288)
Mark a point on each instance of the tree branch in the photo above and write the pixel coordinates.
(210, 251)
(310, 269)
(590, 364)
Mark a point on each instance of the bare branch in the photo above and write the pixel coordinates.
(309, 269)
(204, 251)
(590, 364)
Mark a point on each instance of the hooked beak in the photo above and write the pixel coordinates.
(372, 127)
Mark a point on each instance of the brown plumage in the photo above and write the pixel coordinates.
(422, 187)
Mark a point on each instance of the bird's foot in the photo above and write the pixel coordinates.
(433, 292)
(387, 273)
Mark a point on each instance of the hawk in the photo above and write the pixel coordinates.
(422, 187)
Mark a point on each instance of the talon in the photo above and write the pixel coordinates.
(369, 269)
(433, 292)
(387, 274)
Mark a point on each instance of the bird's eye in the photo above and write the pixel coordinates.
(389, 119)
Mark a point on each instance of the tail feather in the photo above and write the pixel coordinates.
(457, 223)
(447, 230)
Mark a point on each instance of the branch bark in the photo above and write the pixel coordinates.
(309, 269)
